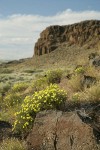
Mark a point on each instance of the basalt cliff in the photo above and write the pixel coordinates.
(86, 33)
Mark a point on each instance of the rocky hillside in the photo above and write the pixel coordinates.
(84, 33)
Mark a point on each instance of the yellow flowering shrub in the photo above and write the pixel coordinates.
(50, 98)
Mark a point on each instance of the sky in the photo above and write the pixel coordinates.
(22, 21)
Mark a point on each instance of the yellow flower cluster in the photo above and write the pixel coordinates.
(50, 98)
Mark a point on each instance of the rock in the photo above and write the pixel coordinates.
(87, 81)
(93, 119)
(95, 115)
(94, 59)
(57, 130)
(92, 55)
(78, 33)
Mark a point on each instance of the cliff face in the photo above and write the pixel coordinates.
(78, 33)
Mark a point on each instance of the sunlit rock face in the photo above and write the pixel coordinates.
(83, 33)
(57, 130)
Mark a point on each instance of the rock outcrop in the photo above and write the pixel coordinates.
(95, 59)
(78, 33)
(57, 130)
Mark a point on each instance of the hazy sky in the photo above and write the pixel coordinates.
(21, 21)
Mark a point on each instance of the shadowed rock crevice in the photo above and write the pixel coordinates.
(5, 124)
(56, 128)
(55, 142)
(5, 130)
(71, 140)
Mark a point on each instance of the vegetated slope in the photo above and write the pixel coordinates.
(64, 56)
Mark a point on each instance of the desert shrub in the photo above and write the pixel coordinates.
(39, 84)
(76, 97)
(29, 71)
(12, 144)
(6, 71)
(32, 71)
(50, 98)
(8, 114)
(76, 83)
(20, 86)
(92, 71)
(4, 87)
(12, 99)
(92, 94)
(54, 76)
(79, 70)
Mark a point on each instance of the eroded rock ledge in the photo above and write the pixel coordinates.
(78, 33)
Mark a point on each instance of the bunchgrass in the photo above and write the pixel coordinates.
(12, 144)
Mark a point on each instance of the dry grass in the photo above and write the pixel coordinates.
(92, 94)
(12, 144)
(75, 83)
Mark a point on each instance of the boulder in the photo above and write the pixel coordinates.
(57, 130)
(94, 59)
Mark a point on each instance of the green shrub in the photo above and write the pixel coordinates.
(4, 88)
(12, 99)
(12, 144)
(92, 94)
(75, 97)
(39, 84)
(75, 83)
(79, 70)
(54, 76)
(50, 98)
(29, 71)
(19, 87)
(32, 71)
(6, 71)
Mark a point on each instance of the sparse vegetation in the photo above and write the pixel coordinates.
(76, 83)
(12, 144)
(92, 94)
